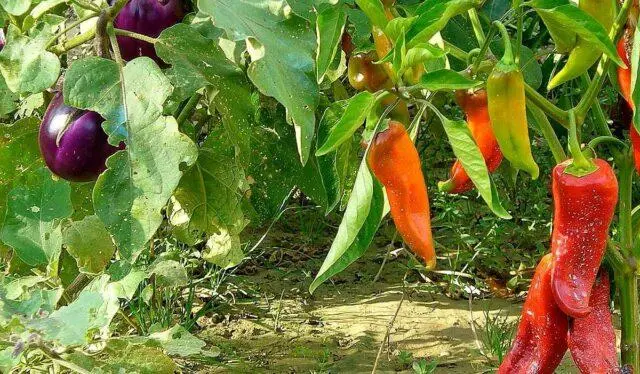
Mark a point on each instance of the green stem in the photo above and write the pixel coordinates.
(188, 108)
(135, 35)
(628, 291)
(70, 27)
(625, 223)
(580, 162)
(520, 16)
(483, 49)
(87, 6)
(592, 92)
(477, 26)
(547, 131)
(559, 115)
(74, 42)
(507, 58)
(602, 126)
(607, 139)
(116, 7)
(455, 51)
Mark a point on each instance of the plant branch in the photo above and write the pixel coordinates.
(455, 51)
(71, 26)
(477, 26)
(520, 16)
(559, 115)
(73, 42)
(188, 108)
(87, 6)
(603, 66)
(135, 35)
(547, 131)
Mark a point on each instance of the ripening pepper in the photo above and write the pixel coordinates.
(541, 339)
(624, 81)
(383, 46)
(363, 74)
(591, 339)
(347, 44)
(584, 54)
(395, 162)
(583, 210)
(474, 105)
(507, 110)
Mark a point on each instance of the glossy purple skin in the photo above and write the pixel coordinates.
(3, 40)
(72, 142)
(147, 17)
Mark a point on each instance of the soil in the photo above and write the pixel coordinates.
(278, 327)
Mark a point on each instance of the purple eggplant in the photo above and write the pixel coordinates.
(73, 143)
(3, 40)
(147, 17)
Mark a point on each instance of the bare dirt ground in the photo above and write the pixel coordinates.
(280, 328)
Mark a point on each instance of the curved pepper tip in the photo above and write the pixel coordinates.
(446, 186)
(568, 302)
(430, 263)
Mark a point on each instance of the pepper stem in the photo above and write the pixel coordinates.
(580, 165)
(507, 57)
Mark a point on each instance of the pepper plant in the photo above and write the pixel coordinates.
(134, 131)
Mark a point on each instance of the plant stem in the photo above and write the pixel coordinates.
(592, 92)
(73, 42)
(627, 282)
(455, 51)
(507, 57)
(520, 16)
(547, 131)
(70, 27)
(600, 119)
(484, 48)
(135, 35)
(87, 6)
(559, 115)
(477, 26)
(188, 108)
(625, 226)
(628, 290)
(579, 160)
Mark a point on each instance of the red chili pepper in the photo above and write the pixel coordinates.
(591, 339)
(395, 162)
(583, 210)
(541, 340)
(474, 105)
(624, 80)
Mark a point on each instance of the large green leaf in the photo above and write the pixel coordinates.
(445, 79)
(16, 7)
(88, 241)
(212, 191)
(466, 150)
(129, 196)
(25, 63)
(433, 16)
(282, 48)
(356, 110)
(576, 20)
(329, 28)
(19, 153)
(34, 210)
(70, 325)
(360, 222)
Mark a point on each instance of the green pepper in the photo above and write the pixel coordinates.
(584, 55)
(507, 110)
